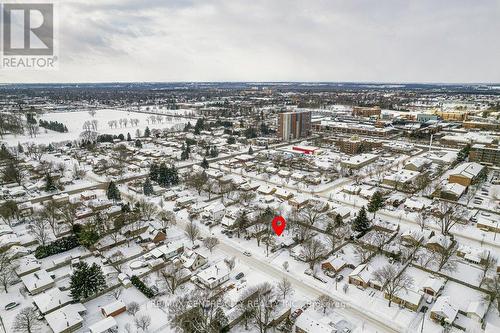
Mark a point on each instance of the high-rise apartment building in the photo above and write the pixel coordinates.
(294, 125)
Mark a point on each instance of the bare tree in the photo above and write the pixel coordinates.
(325, 302)
(26, 320)
(264, 306)
(448, 215)
(133, 307)
(147, 209)
(285, 287)
(172, 274)
(192, 231)
(392, 280)
(313, 250)
(443, 259)
(493, 286)
(197, 181)
(116, 293)
(39, 229)
(142, 322)
(488, 265)
(210, 243)
(7, 274)
(310, 215)
(230, 262)
(167, 219)
(421, 219)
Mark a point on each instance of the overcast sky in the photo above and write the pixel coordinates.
(275, 40)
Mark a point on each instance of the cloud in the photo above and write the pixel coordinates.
(280, 40)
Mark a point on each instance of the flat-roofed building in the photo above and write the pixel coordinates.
(484, 154)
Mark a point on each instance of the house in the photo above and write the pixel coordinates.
(477, 310)
(298, 201)
(439, 243)
(417, 164)
(413, 236)
(37, 282)
(466, 173)
(152, 235)
(113, 309)
(358, 161)
(67, 319)
(283, 194)
(335, 265)
(214, 275)
(88, 195)
(51, 300)
(408, 298)
(216, 212)
(107, 324)
(401, 178)
(27, 264)
(169, 250)
(307, 324)
(192, 260)
(473, 255)
(185, 201)
(362, 276)
(443, 310)
(433, 285)
(452, 191)
(265, 189)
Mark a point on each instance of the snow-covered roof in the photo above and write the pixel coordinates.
(307, 324)
(103, 325)
(445, 309)
(60, 320)
(37, 280)
(113, 307)
(51, 299)
(477, 307)
(468, 170)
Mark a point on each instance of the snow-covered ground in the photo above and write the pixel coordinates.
(74, 122)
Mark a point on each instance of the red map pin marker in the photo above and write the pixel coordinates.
(279, 225)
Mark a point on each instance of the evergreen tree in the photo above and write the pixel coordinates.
(204, 164)
(187, 127)
(231, 140)
(153, 172)
(361, 222)
(214, 152)
(147, 132)
(129, 138)
(89, 235)
(121, 137)
(207, 151)
(339, 220)
(86, 281)
(185, 153)
(49, 183)
(138, 143)
(147, 187)
(376, 202)
(250, 151)
(112, 192)
(20, 148)
(50, 147)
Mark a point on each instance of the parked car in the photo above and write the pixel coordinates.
(339, 278)
(308, 272)
(248, 254)
(11, 305)
(239, 275)
(319, 278)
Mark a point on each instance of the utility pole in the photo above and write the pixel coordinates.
(430, 142)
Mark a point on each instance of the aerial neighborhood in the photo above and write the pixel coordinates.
(151, 210)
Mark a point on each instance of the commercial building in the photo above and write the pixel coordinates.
(360, 111)
(465, 173)
(294, 125)
(356, 145)
(485, 154)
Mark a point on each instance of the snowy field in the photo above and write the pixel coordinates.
(74, 122)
